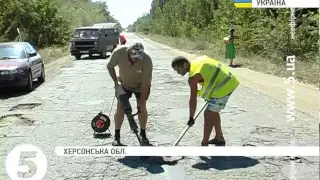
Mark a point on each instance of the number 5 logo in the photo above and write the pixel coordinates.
(26, 162)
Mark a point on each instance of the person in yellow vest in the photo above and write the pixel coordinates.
(218, 83)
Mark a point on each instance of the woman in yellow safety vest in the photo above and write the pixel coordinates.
(217, 86)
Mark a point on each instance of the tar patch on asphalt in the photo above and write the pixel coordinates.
(15, 119)
(27, 106)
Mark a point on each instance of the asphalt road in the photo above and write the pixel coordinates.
(59, 112)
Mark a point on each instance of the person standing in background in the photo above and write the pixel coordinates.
(123, 39)
(230, 53)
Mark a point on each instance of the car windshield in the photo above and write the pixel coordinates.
(11, 52)
(112, 31)
(86, 33)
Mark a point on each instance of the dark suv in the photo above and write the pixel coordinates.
(94, 40)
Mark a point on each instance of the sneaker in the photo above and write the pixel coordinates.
(203, 144)
(217, 142)
(117, 142)
(145, 141)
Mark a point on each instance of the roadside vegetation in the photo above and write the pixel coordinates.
(49, 24)
(263, 35)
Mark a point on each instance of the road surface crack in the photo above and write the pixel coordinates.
(5, 136)
(28, 106)
(264, 130)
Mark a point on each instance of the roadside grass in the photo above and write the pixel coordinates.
(305, 72)
(51, 54)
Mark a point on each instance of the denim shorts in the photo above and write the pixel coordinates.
(217, 104)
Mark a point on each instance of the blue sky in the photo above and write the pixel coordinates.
(127, 11)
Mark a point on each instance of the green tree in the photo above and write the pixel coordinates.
(264, 32)
(49, 22)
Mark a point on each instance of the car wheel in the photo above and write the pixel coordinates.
(103, 54)
(114, 47)
(42, 78)
(29, 87)
(78, 56)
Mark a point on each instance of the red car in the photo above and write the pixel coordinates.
(20, 64)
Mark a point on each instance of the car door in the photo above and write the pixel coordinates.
(38, 59)
(101, 40)
(112, 36)
(31, 60)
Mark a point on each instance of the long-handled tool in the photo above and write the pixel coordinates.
(188, 127)
(124, 100)
(202, 108)
(134, 126)
(170, 159)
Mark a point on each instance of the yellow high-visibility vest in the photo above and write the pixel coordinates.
(217, 80)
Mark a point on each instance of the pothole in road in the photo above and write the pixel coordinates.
(25, 106)
(15, 119)
(233, 110)
(248, 144)
(264, 130)
(295, 159)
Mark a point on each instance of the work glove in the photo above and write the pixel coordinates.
(191, 121)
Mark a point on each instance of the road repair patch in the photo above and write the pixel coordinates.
(25, 106)
(15, 119)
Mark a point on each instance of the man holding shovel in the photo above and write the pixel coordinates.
(135, 75)
(217, 86)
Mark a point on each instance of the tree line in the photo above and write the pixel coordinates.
(49, 22)
(264, 32)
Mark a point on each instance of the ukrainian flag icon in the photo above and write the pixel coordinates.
(243, 3)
